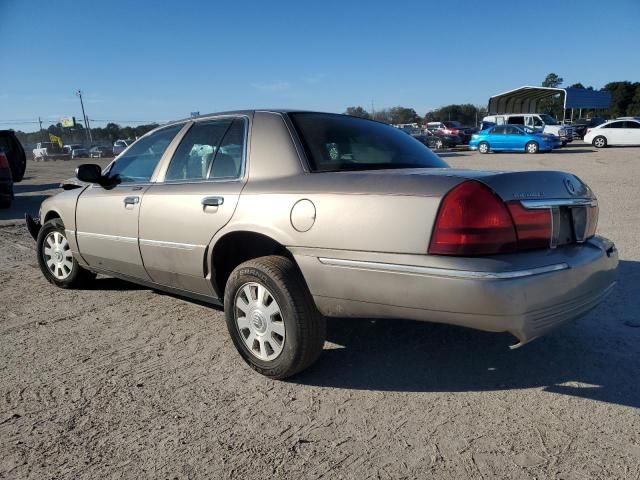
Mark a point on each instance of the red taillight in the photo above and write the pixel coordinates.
(533, 227)
(4, 162)
(472, 220)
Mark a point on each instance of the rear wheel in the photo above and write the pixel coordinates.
(56, 258)
(439, 144)
(599, 142)
(483, 147)
(532, 147)
(271, 317)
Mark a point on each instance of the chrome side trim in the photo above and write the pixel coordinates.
(441, 272)
(178, 246)
(101, 236)
(563, 202)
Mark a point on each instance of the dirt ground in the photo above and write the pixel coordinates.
(122, 382)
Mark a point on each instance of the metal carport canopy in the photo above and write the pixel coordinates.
(525, 99)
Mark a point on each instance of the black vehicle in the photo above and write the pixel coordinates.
(6, 183)
(11, 147)
(581, 126)
(438, 140)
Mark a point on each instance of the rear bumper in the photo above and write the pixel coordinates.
(527, 294)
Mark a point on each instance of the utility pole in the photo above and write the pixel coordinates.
(84, 115)
(40, 122)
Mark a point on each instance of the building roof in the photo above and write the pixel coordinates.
(526, 99)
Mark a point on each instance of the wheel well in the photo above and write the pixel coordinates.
(238, 247)
(50, 215)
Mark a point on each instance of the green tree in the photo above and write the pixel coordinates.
(634, 107)
(466, 114)
(622, 96)
(357, 112)
(403, 115)
(552, 80)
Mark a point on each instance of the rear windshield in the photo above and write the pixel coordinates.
(338, 142)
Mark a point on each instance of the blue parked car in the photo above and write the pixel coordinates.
(514, 138)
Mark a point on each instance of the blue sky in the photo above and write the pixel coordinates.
(161, 60)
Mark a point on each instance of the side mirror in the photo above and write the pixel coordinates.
(90, 173)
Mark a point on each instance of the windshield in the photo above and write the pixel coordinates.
(338, 142)
(452, 124)
(548, 119)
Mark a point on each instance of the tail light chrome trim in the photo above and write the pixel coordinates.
(562, 202)
(441, 272)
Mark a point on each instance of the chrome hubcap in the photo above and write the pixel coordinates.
(57, 255)
(483, 148)
(599, 142)
(259, 321)
(532, 148)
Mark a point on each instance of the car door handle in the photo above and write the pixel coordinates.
(131, 200)
(212, 201)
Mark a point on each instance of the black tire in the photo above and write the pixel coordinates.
(599, 142)
(304, 326)
(483, 147)
(77, 277)
(532, 147)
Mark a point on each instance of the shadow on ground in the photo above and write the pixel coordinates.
(19, 188)
(402, 355)
(23, 204)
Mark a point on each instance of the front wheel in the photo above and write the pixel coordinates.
(56, 258)
(483, 147)
(532, 147)
(600, 142)
(271, 317)
(439, 144)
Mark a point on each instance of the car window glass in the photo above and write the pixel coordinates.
(5, 144)
(498, 131)
(227, 162)
(614, 125)
(631, 125)
(139, 162)
(339, 142)
(512, 131)
(195, 153)
(517, 120)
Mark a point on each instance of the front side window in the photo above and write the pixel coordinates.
(512, 131)
(614, 125)
(196, 151)
(516, 120)
(139, 162)
(338, 142)
(498, 131)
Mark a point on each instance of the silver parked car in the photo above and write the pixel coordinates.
(288, 217)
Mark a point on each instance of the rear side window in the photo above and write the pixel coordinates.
(139, 162)
(516, 120)
(631, 125)
(335, 142)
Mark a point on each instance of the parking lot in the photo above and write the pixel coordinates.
(123, 382)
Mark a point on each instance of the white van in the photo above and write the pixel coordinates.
(539, 121)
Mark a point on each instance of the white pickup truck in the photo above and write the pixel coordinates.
(540, 121)
(50, 151)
